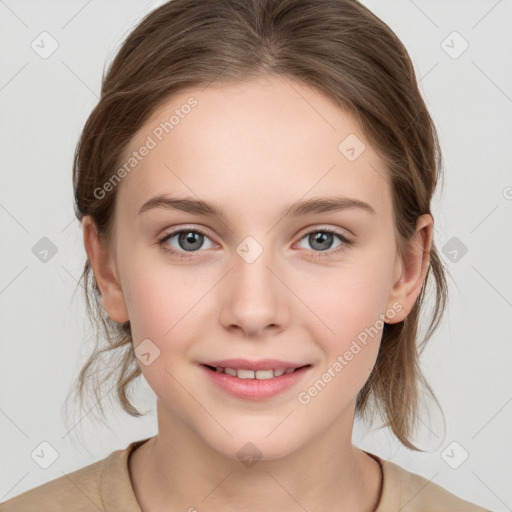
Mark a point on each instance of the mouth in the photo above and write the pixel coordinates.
(256, 384)
(243, 373)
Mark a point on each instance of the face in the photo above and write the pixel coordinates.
(310, 287)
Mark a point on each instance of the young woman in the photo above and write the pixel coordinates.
(254, 188)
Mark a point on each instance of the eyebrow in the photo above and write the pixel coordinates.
(317, 205)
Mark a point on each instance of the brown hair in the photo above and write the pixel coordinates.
(337, 46)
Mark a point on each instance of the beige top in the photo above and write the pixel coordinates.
(105, 486)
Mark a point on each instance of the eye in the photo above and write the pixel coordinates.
(190, 241)
(321, 241)
(187, 240)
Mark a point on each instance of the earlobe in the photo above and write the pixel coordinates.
(412, 269)
(103, 266)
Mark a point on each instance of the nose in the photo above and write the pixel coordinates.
(254, 297)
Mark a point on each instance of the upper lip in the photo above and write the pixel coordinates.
(261, 364)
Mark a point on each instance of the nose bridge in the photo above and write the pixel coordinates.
(255, 297)
(252, 268)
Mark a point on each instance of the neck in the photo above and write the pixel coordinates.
(328, 473)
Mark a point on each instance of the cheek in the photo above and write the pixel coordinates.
(160, 307)
(158, 304)
(349, 337)
(171, 308)
(347, 301)
(349, 307)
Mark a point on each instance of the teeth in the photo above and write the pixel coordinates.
(247, 374)
(230, 371)
(254, 374)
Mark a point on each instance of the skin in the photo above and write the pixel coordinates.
(253, 148)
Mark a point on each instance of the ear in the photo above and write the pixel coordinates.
(410, 271)
(104, 268)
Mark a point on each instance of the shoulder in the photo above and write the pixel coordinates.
(102, 486)
(409, 492)
(78, 491)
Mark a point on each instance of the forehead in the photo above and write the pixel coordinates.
(253, 143)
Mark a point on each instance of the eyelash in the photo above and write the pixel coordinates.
(317, 254)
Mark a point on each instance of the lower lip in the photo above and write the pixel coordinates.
(255, 389)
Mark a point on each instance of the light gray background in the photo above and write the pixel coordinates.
(44, 104)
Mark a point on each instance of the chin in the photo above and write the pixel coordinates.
(253, 444)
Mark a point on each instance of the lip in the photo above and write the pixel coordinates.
(255, 389)
(261, 364)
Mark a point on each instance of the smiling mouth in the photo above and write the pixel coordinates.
(254, 374)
